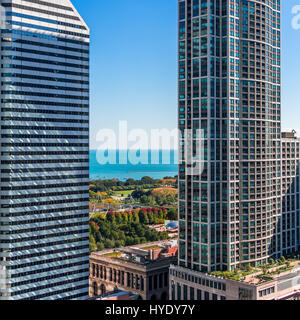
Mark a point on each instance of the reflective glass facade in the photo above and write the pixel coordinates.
(44, 233)
(230, 88)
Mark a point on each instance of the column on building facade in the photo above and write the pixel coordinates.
(132, 281)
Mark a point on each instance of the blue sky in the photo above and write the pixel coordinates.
(134, 64)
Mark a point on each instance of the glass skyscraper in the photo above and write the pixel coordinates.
(229, 88)
(240, 207)
(44, 232)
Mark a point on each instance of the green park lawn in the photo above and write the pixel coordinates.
(125, 193)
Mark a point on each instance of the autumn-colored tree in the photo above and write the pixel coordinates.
(109, 201)
(124, 217)
(136, 218)
(164, 212)
(164, 191)
(143, 215)
(151, 217)
(119, 218)
(93, 245)
(168, 182)
(160, 214)
(95, 226)
(130, 217)
(111, 217)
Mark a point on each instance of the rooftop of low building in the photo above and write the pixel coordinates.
(289, 135)
(141, 254)
(261, 274)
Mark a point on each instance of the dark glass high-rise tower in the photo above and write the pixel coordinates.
(239, 197)
(44, 232)
(229, 88)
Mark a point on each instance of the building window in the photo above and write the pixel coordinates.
(199, 295)
(128, 279)
(266, 292)
(206, 295)
(173, 291)
(150, 283)
(245, 294)
(192, 293)
(161, 280)
(155, 281)
(185, 293)
(166, 279)
(178, 291)
(110, 275)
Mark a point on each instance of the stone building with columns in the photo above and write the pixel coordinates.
(142, 270)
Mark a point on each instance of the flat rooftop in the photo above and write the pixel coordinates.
(140, 254)
(263, 274)
(289, 135)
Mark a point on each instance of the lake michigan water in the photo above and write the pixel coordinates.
(156, 164)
